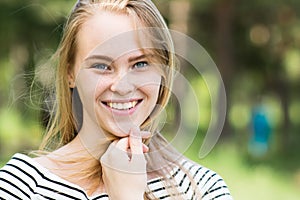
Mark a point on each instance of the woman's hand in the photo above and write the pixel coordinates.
(124, 167)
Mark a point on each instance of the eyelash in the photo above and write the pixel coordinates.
(95, 66)
(106, 68)
(145, 64)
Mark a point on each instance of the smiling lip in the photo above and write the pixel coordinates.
(122, 106)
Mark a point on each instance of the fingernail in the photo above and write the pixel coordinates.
(145, 148)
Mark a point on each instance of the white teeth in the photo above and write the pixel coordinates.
(122, 106)
(134, 103)
(118, 106)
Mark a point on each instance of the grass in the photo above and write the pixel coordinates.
(248, 181)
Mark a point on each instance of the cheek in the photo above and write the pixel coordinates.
(150, 80)
(151, 91)
(151, 87)
(155, 84)
(89, 86)
(101, 86)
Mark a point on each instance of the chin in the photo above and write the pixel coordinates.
(121, 130)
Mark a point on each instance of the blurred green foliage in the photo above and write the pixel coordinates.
(250, 180)
(255, 44)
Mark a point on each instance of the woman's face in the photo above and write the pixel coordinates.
(117, 81)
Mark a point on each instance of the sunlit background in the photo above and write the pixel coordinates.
(256, 46)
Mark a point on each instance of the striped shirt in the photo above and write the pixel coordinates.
(23, 178)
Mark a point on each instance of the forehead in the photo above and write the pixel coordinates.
(110, 34)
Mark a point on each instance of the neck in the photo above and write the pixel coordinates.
(93, 141)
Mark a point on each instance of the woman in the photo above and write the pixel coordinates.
(114, 74)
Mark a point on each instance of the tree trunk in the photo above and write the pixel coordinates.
(223, 14)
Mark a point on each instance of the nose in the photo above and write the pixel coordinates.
(122, 84)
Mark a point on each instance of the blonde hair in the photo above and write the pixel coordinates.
(63, 127)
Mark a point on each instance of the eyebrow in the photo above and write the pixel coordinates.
(102, 57)
(109, 59)
(135, 58)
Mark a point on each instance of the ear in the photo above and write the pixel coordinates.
(71, 78)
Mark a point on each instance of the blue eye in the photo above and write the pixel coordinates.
(140, 65)
(100, 66)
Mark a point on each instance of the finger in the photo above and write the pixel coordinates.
(115, 157)
(145, 134)
(123, 144)
(135, 142)
(145, 148)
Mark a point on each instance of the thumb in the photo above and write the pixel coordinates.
(135, 141)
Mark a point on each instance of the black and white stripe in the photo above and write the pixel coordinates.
(210, 184)
(22, 178)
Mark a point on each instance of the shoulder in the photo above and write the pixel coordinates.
(17, 178)
(192, 181)
(191, 176)
(23, 178)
